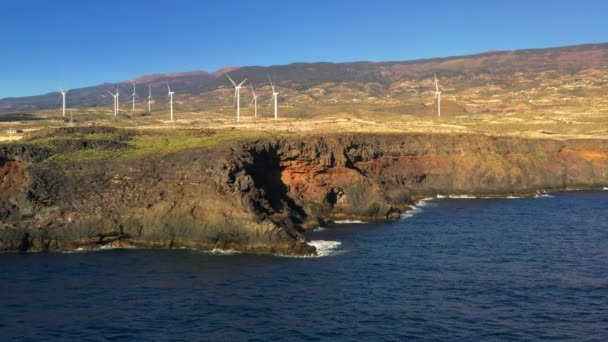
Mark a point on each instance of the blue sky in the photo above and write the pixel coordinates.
(45, 44)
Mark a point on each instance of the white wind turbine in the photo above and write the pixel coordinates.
(275, 98)
(170, 93)
(255, 103)
(438, 96)
(115, 96)
(149, 99)
(134, 96)
(237, 96)
(63, 93)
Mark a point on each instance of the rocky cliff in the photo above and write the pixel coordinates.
(259, 196)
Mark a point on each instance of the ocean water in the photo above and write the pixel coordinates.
(452, 270)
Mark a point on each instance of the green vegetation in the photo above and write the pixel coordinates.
(123, 145)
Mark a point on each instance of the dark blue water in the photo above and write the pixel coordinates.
(458, 270)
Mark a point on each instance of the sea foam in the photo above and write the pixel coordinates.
(349, 222)
(417, 208)
(219, 251)
(326, 248)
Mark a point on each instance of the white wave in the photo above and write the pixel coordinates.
(326, 248)
(544, 195)
(606, 188)
(219, 251)
(457, 197)
(95, 249)
(463, 197)
(417, 208)
(410, 213)
(424, 202)
(513, 197)
(319, 229)
(349, 222)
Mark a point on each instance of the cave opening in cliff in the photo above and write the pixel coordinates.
(266, 172)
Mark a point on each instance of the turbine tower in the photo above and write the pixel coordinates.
(63, 93)
(170, 100)
(134, 96)
(275, 98)
(237, 96)
(438, 96)
(255, 103)
(149, 99)
(117, 102)
(115, 96)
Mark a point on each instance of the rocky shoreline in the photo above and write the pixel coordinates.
(259, 195)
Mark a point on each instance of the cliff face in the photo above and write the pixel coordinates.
(259, 196)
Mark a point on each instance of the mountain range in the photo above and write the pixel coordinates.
(574, 72)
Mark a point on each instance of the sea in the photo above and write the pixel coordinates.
(453, 269)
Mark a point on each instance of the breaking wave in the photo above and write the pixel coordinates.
(457, 196)
(219, 251)
(326, 248)
(417, 208)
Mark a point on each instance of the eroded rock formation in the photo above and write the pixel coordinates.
(260, 196)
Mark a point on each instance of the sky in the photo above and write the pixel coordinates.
(45, 45)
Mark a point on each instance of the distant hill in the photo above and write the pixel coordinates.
(508, 70)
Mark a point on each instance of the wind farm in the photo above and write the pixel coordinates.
(304, 170)
(467, 98)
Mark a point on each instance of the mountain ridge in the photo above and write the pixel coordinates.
(301, 77)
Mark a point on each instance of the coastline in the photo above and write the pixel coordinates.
(91, 187)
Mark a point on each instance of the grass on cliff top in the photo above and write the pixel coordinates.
(145, 143)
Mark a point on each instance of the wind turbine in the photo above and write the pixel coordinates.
(134, 96)
(170, 100)
(149, 99)
(255, 103)
(237, 96)
(115, 96)
(63, 93)
(438, 96)
(275, 98)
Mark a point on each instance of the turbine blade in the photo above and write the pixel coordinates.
(231, 81)
(252, 90)
(240, 84)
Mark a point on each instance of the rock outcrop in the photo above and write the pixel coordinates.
(260, 196)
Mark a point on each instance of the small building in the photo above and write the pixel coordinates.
(13, 131)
